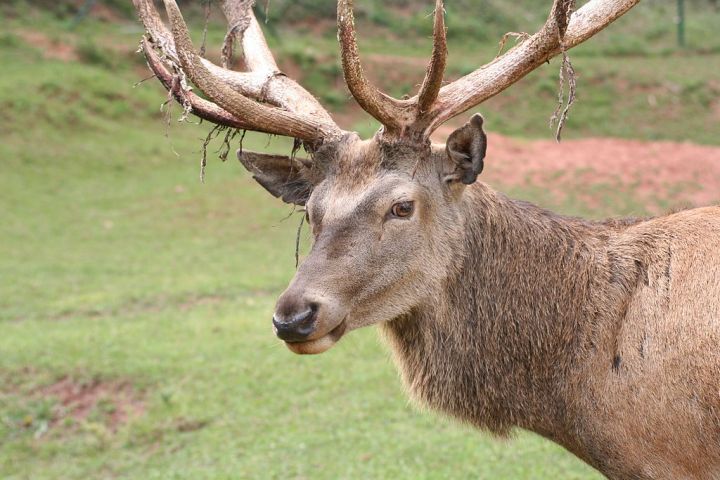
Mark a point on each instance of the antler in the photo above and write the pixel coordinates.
(389, 111)
(399, 117)
(556, 34)
(262, 99)
(416, 118)
(438, 60)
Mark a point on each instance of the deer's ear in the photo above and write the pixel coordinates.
(466, 149)
(289, 179)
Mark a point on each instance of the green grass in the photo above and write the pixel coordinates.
(118, 265)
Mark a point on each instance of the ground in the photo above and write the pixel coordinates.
(659, 176)
(135, 301)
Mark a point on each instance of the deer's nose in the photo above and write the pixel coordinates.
(297, 325)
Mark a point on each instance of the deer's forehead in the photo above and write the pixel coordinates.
(339, 200)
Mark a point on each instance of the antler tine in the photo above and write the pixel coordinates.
(496, 76)
(243, 25)
(258, 57)
(198, 106)
(384, 108)
(436, 69)
(246, 83)
(155, 28)
(265, 84)
(262, 117)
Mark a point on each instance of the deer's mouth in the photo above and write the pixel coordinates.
(319, 345)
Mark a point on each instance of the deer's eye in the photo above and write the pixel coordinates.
(402, 209)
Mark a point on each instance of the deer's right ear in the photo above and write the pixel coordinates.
(466, 149)
(289, 179)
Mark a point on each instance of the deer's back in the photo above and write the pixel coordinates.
(653, 401)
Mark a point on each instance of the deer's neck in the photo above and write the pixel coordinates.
(500, 346)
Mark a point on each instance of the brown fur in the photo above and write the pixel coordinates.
(601, 336)
(604, 341)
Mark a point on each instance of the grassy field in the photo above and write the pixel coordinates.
(135, 291)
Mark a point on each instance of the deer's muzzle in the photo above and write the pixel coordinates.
(307, 326)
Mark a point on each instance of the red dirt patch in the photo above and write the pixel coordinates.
(661, 175)
(115, 401)
(104, 13)
(51, 49)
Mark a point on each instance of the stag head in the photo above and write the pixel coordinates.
(387, 214)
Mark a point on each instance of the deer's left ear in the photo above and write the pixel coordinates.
(466, 149)
(289, 179)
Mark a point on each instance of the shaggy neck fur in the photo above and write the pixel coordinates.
(504, 348)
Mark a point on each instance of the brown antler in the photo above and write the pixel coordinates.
(264, 99)
(261, 99)
(389, 111)
(416, 118)
(198, 106)
(436, 69)
(400, 118)
(555, 35)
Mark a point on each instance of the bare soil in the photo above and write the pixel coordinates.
(50, 48)
(661, 175)
(115, 401)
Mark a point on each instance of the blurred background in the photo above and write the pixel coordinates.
(135, 301)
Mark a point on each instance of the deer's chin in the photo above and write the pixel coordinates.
(319, 345)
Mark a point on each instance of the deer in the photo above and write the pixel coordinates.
(601, 336)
